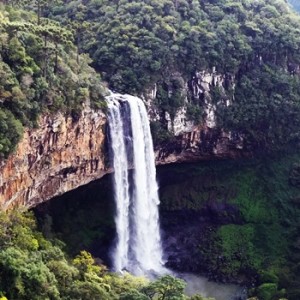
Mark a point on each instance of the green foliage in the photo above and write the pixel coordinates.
(169, 95)
(250, 246)
(33, 268)
(238, 249)
(40, 71)
(266, 291)
(159, 133)
(199, 297)
(136, 44)
(268, 276)
(188, 194)
(252, 205)
(139, 43)
(166, 287)
(11, 131)
(252, 199)
(133, 295)
(266, 99)
(194, 113)
(24, 274)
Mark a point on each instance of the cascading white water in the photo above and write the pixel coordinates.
(138, 246)
(121, 184)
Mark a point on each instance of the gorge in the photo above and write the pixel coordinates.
(220, 81)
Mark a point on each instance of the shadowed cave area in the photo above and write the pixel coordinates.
(82, 218)
(189, 212)
(219, 219)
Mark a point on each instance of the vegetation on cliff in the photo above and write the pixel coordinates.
(40, 71)
(136, 44)
(232, 221)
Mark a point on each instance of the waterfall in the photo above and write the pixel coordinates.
(121, 184)
(138, 245)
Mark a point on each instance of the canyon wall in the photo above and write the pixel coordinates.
(58, 156)
(63, 154)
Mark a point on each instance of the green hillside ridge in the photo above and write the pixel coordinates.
(138, 43)
(49, 52)
(135, 44)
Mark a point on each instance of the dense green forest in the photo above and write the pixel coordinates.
(138, 43)
(40, 71)
(51, 56)
(135, 44)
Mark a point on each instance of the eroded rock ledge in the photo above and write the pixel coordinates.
(63, 154)
(202, 143)
(58, 156)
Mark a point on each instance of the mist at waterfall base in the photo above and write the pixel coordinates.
(138, 243)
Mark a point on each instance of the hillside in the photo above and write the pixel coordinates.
(251, 46)
(251, 49)
(220, 80)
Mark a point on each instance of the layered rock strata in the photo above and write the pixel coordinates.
(58, 156)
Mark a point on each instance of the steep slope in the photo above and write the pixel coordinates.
(220, 80)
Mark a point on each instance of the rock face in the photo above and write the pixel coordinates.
(202, 143)
(62, 153)
(194, 142)
(59, 156)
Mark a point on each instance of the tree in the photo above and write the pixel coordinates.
(165, 288)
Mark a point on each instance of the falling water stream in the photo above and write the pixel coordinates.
(138, 247)
(121, 184)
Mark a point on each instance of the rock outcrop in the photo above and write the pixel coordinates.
(58, 156)
(63, 154)
(202, 143)
(191, 141)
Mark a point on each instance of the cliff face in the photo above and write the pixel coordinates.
(63, 154)
(57, 157)
(202, 143)
(191, 141)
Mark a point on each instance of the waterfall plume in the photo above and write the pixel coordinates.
(138, 246)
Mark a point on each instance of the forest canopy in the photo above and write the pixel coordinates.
(137, 44)
(34, 268)
(40, 71)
